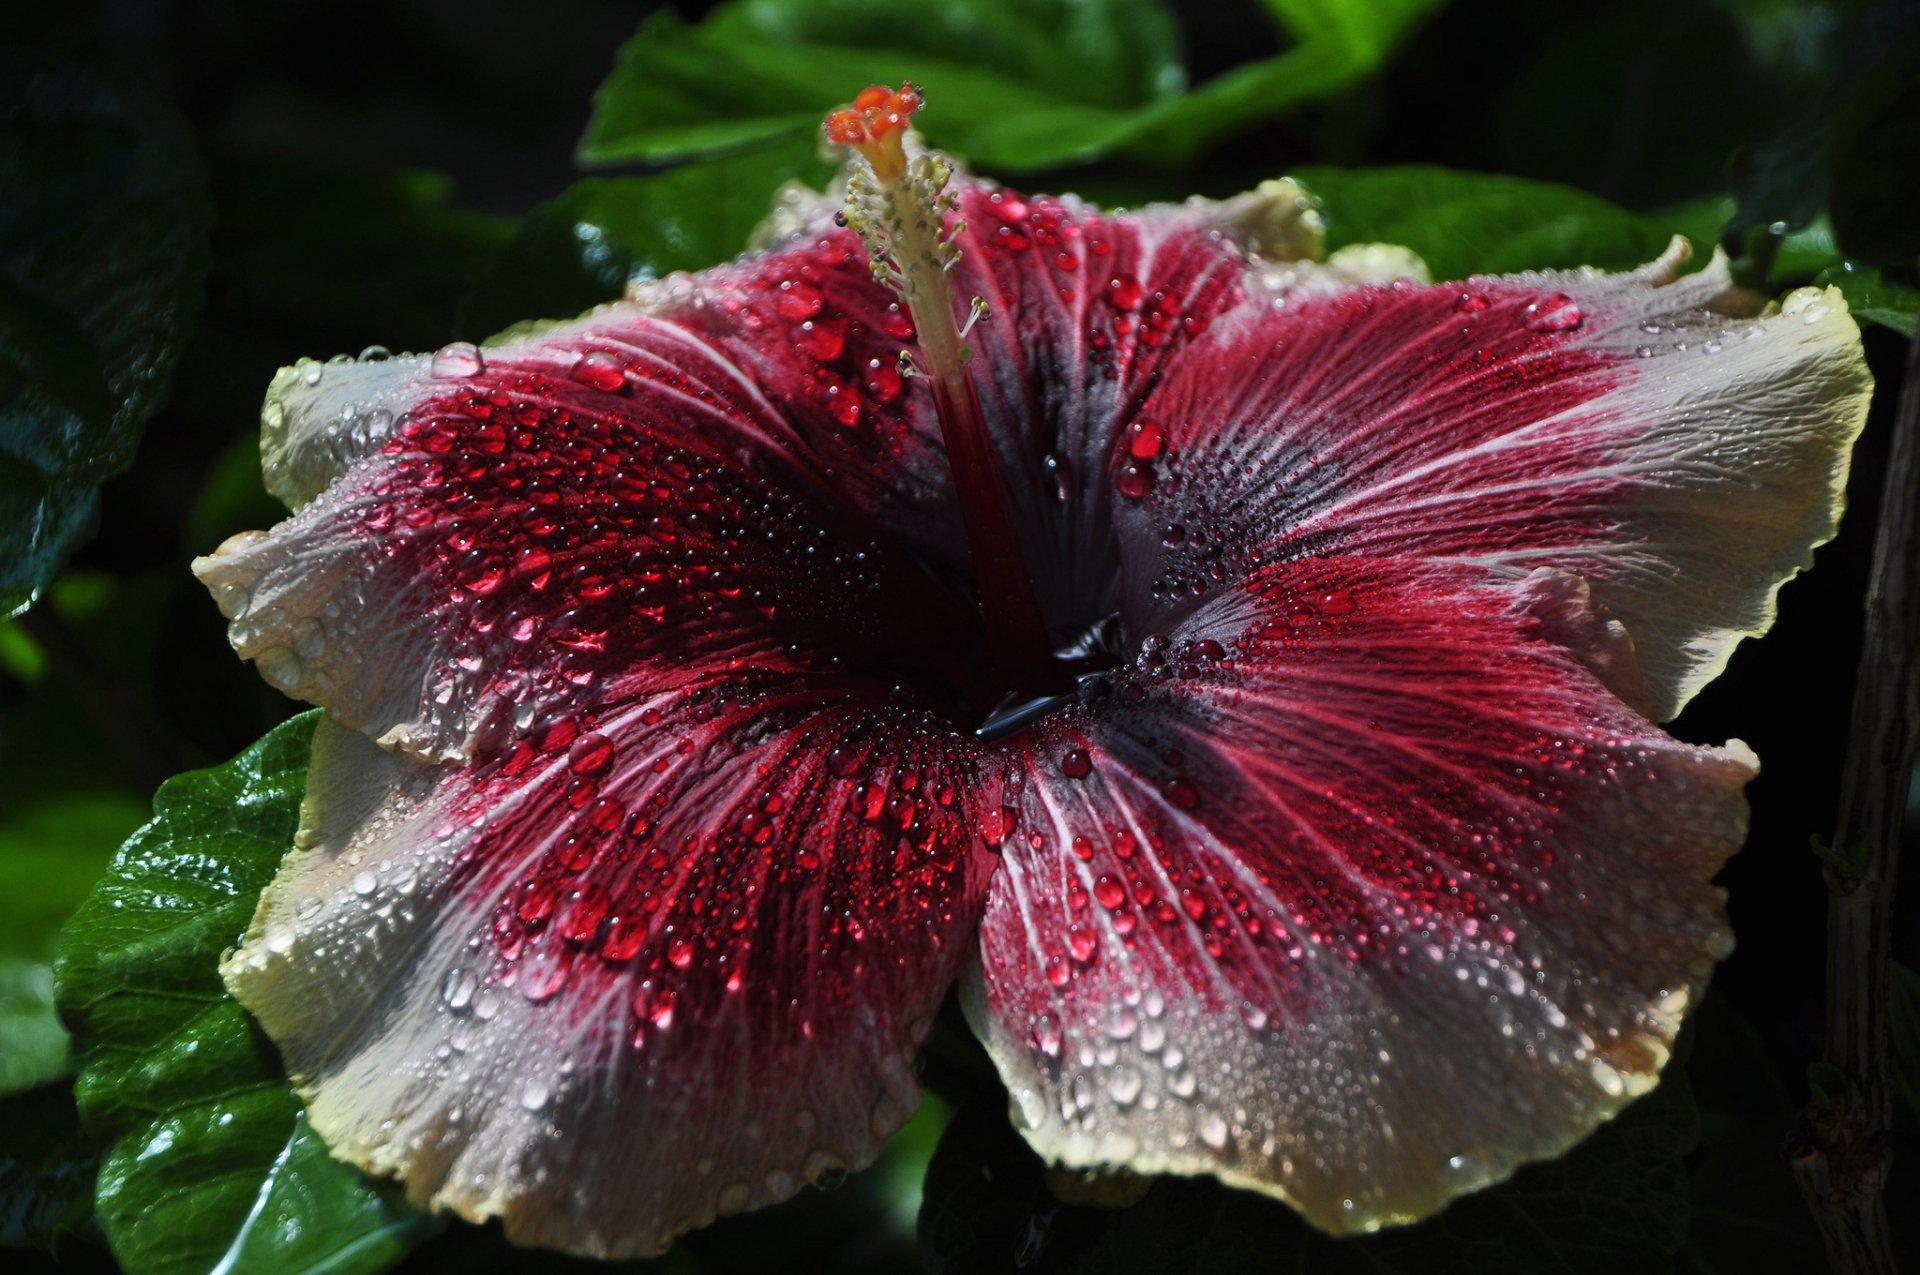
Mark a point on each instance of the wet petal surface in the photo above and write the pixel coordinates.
(1681, 461)
(1359, 890)
(651, 966)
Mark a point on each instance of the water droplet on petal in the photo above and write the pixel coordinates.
(457, 361)
(1145, 438)
(997, 825)
(601, 371)
(590, 754)
(1556, 313)
(1135, 479)
(278, 665)
(457, 989)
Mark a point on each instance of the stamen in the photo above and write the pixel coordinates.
(978, 312)
(897, 204)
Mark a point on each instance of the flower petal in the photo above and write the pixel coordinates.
(1624, 429)
(1359, 891)
(667, 963)
(1088, 311)
(487, 538)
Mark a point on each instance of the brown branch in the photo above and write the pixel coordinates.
(1843, 1151)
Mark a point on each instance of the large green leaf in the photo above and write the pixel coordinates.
(1018, 84)
(33, 1048)
(210, 1164)
(101, 258)
(1477, 223)
(581, 248)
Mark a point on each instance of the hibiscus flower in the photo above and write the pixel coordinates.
(1238, 671)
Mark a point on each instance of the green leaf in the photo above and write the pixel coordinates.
(1476, 223)
(47, 1170)
(1333, 45)
(101, 259)
(210, 1164)
(33, 1045)
(580, 248)
(52, 849)
(53, 846)
(1017, 86)
(1873, 299)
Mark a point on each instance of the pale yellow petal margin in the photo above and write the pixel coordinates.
(1364, 1095)
(368, 961)
(1736, 434)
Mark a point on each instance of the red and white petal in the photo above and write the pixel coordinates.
(531, 529)
(1625, 429)
(665, 965)
(1088, 310)
(1359, 890)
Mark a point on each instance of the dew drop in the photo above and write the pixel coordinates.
(1082, 945)
(364, 883)
(279, 665)
(997, 825)
(457, 361)
(601, 371)
(1145, 437)
(1123, 1085)
(232, 599)
(1135, 479)
(1556, 313)
(534, 1096)
(590, 754)
(457, 988)
(1338, 602)
(1062, 475)
(1181, 793)
(1075, 764)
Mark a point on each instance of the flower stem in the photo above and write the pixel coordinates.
(1022, 651)
(898, 207)
(1842, 1153)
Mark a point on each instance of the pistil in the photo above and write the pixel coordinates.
(898, 205)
